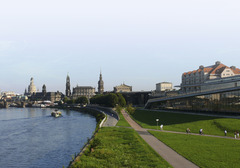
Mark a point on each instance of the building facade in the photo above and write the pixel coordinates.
(193, 81)
(86, 91)
(100, 85)
(164, 86)
(44, 95)
(68, 90)
(122, 88)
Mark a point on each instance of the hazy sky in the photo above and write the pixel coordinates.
(137, 42)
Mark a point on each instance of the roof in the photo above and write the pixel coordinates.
(84, 87)
(218, 68)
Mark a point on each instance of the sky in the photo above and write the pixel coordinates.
(136, 42)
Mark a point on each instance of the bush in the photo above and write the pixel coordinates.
(130, 109)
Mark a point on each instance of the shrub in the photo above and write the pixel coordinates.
(130, 109)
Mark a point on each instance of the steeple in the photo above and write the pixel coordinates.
(44, 90)
(68, 90)
(100, 84)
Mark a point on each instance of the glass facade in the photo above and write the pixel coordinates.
(227, 102)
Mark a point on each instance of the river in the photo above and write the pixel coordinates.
(31, 138)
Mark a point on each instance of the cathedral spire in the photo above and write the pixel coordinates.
(100, 84)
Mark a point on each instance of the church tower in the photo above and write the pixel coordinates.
(31, 88)
(68, 90)
(44, 90)
(100, 85)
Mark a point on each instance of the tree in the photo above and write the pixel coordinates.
(81, 100)
(121, 100)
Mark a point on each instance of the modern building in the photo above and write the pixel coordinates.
(100, 84)
(226, 101)
(196, 80)
(122, 88)
(68, 90)
(80, 91)
(31, 88)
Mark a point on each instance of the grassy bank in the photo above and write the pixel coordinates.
(119, 147)
(203, 151)
(180, 122)
(122, 122)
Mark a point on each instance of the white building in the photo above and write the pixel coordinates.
(164, 86)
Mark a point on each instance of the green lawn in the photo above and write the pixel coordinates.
(180, 122)
(205, 152)
(122, 122)
(119, 147)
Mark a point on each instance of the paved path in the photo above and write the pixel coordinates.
(215, 136)
(111, 115)
(172, 157)
(111, 120)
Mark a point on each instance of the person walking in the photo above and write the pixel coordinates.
(161, 127)
(201, 131)
(188, 130)
(235, 134)
(225, 132)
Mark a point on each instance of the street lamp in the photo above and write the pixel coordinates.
(157, 122)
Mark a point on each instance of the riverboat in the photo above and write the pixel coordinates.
(56, 113)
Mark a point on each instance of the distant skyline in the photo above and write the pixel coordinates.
(137, 42)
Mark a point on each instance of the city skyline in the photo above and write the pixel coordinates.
(139, 43)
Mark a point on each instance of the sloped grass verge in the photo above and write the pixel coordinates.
(122, 122)
(207, 152)
(119, 147)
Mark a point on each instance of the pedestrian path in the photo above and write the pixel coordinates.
(172, 157)
(215, 136)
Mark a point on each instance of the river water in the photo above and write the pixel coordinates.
(31, 138)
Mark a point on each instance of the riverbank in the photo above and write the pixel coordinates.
(102, 114)
(119, 147)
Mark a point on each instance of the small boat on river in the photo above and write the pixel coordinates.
(56, 113)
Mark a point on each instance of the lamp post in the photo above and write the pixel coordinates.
(157, 122)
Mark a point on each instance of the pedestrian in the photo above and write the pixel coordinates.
(161, 127)
(201, 131)
(225, 132)
(188, 130)
(235, 134)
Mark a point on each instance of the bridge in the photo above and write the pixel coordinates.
(6, 104)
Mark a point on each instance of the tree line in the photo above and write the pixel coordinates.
(109, 100)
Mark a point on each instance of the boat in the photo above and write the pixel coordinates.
(56, 113)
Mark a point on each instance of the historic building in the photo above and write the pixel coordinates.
(44, 95)
(122, 88)
(197, 80)
(31, 88)
(68, 90)
(100, 84)
(80, 91)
